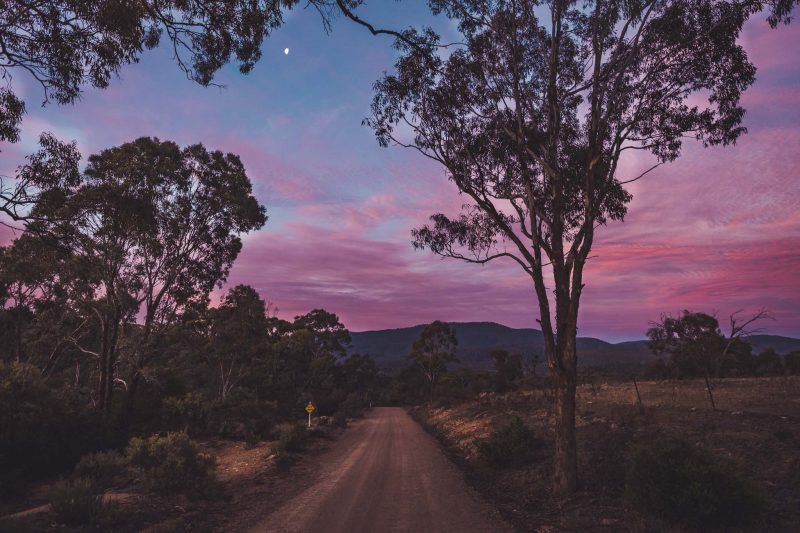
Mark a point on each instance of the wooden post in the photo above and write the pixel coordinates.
(638, 396)
(710, 396)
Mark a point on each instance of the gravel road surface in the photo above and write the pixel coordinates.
(385, 474)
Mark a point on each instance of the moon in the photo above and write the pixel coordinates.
(286, 51)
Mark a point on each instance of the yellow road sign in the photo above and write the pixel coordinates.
(310, 408)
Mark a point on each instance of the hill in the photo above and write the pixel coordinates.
(476, 340)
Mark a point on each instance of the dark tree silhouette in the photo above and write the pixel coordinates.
(530, 119)
(435, 348)
(693, 341)
(65, 45)
(151, 228)
(237, 333)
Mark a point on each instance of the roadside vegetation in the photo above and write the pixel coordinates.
(117, 368)
(660, 456)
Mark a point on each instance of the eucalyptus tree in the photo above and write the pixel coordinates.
(155, 228)
(433, 351)
(237, 336)
(531, 116)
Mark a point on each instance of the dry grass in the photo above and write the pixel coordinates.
(757, 424)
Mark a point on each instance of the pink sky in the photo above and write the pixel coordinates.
(717, 231)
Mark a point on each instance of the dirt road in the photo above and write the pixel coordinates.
(385, 474)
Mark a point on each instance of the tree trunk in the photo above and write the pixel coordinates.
(565, 460)
(564, 370)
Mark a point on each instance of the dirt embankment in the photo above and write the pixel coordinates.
(756, 424)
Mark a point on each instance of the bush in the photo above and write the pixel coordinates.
(172, 463)
(352, 406)
(513, 445)
(102, 468)
(76, 501)
(690, 486)
(186, 413)
(339, 420)
(291, 438)
(42, 430)
(242, 417)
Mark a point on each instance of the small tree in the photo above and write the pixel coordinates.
(507, 368)
(692, 341)
(435, 348)
(237, 336)
(792, 362)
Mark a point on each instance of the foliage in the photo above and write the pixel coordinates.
(507, 368)
(690, 486)
(435, 348)
(147, 229)
(792, 362)
(102, 468)
(67, 44)
(172, 463)
(769, 363)
(331, 338)
(76, 501)
(693, 342)
(236, 334)
(513, 445)
(291, 437)
(42, 429)
(188, 413)
(339, 420)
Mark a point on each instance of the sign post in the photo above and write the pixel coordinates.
(310, 409)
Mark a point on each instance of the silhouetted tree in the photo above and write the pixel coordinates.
(792, 362)
(530, 118)
(152, 228)
(692, 341)
(330, 336)
(435, 348)
(507, 368)
(65, 45)
(740, 329)
(769, 363)
(237, 336)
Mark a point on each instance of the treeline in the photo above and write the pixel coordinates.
(692, 344)
(107, 322)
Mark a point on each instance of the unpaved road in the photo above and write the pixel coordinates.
(385, 474)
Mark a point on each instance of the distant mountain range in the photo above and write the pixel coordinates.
(476, 340)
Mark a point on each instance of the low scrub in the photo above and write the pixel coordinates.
(77, 501)
(291, 438)
(512, 445)
(690, 486)
(339, 420)
(102, 468)
(172, 463)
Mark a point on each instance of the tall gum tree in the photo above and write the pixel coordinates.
(152, 227)
(531, 115)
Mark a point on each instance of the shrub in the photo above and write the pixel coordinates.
(172, 463)
(42, 430)
(352, 406)
(102, 468)
(512, 445)
(339, 420)
(76, 501)
(242, 417)
(690, 486)
(291, 438)
(186, 413)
